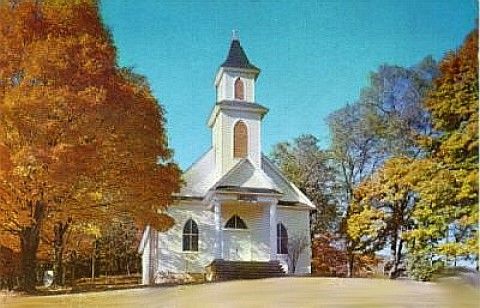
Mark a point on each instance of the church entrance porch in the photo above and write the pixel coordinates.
(246, 230)
(243, 229)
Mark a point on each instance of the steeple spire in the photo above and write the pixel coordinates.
(236, 57)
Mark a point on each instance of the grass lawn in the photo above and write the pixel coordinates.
(277, 292)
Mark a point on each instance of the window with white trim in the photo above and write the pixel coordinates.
(190, 236)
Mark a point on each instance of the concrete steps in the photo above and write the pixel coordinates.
(221, 270)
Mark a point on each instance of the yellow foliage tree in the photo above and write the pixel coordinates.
(430, 203)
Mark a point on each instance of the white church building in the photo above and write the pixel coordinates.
(235, 204)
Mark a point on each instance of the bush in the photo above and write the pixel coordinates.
(420, 267)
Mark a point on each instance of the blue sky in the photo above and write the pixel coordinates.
(314, 55)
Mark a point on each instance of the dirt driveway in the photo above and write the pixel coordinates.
(278, 292)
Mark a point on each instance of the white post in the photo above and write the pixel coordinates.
(218, 230)
(153, 258)
(273, 230)
(147, 257)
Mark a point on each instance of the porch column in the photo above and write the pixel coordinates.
(218, 246)
(273, 230)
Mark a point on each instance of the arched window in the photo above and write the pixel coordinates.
(190, 236)
(239, 91)
(282, 239)
(240, 140)
(235, 223)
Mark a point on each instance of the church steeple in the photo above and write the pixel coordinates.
(236, 118)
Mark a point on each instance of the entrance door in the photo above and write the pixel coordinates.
(237, 245)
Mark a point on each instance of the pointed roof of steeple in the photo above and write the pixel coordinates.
(237, 58)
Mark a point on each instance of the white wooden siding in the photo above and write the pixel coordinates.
(297, 223)
(168, 256)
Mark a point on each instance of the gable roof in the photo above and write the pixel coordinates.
(237, 58)
(244, 175)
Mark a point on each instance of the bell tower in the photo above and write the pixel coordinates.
(236, 77)
(236, 117)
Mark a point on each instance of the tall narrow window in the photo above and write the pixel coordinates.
(239, 91)
(240, 140)
(190, 236)
(282, 239)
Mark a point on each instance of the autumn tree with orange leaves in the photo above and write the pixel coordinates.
(80, 138)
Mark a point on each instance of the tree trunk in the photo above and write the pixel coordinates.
(127, 256)
(29, 241)
(73, 271)
(294, 265)
(350, 264)
(94, 259)
(393, 252)
(397, 259)
(59, 230)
